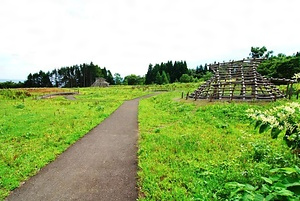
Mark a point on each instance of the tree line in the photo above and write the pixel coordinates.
(83, 75)
(280, 66)
(165, 73)
(178, 71)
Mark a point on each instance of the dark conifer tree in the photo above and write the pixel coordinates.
(158, 78)
(164, 78)
(148, 76)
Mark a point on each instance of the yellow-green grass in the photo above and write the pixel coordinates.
(33, 132)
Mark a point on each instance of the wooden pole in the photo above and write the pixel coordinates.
(291, 91)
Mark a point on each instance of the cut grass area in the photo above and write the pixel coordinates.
(189, 150)
(33, 132)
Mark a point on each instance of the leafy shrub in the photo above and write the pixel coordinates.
(283, 184)
(265, 152)
(281, 118)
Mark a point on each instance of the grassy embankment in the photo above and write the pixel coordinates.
(33, 132)
(189, 150)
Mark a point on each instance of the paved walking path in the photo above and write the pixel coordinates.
(100, 166)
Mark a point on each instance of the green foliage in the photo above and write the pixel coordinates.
(134, 80)
(280, 118)
(158, 78)
(260, 52)
(10, 84)
(173, 72)
(185, 78)
(118, 79)
(280, 66)
(40, 79)
(190, 150)
(83, 75)
(33, 132)
(200, 71)
(207, 75)
(165, 78)
(282, 184)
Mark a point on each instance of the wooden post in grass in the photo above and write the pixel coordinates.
(182, 95)
(291, 91)
(187, 96)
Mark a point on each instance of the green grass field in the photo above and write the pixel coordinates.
(188, 150)
(33, 132)
(191, 150)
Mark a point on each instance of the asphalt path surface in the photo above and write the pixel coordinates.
(100, 166)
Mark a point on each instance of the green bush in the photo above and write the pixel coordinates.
(283, 118)
(282, 184)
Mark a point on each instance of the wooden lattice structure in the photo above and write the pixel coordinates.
(237, 80)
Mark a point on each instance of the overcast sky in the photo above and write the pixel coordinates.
(125, 36)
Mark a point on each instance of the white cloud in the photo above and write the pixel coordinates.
(127, 35)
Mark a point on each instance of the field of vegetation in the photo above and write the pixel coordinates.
(188, 150)
(33, 131)
(200, 150)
